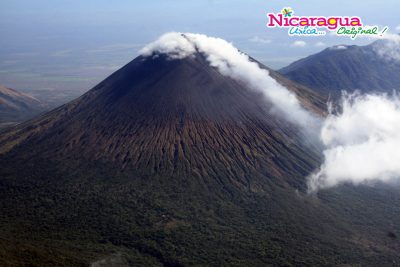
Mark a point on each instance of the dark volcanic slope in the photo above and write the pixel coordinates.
(155, 114)
(347, 68)
(16, 106)
(167, 162)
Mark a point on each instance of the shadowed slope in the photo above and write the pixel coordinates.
(349, 68)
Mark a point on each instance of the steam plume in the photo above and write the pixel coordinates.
(231, 62)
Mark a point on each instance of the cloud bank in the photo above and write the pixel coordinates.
(338, 47)
(257, 39)
(320, 44)
(362, 142)
(388, 47)
(231, 62)
(299, 44)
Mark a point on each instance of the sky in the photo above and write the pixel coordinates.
(69, 46)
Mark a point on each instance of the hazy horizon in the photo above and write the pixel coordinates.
(70, 46)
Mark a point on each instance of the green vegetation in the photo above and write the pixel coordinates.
(73, 220)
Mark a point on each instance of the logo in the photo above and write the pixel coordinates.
(320, 25)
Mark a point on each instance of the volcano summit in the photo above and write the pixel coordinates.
(191, 154)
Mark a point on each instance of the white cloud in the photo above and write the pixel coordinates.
(388, 47)
(231, 62)
(362, 142)
(319, 44)
(174, 44)
(398, 28)
(299, 44)
(259, 40)
(338, 47)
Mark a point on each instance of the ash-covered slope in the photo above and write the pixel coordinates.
(174, 161)
(370, 68)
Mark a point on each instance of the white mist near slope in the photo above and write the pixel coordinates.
(388, 47)
(362, 142)
(231, 62)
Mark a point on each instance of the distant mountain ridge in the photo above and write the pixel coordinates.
(349, 67)
(16, 106)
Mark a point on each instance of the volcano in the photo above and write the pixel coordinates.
(174, 161)
(369, 68)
